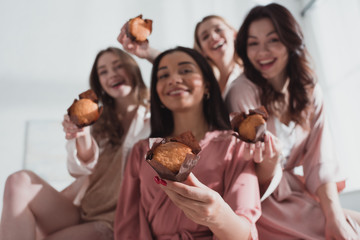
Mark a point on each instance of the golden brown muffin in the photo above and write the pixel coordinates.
(85, 111)
(139, 29)
(171, 155)
(174, 158)
(250, 127)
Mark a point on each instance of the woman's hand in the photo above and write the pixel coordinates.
(338, 228)
(206, 207)
(139, 49)
(267, 156)
(198, 202)
(71, 130)
(269, 150)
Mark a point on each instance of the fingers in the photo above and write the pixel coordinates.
(248, 151)
(258, 155)
(70, 129)
(192, 189)
(268, 143)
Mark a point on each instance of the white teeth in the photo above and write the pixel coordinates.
(266, 61)
(116, 84)
(176, 92)
(219, 44)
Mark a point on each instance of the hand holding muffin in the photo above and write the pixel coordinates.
(85, 111)
(131, 38)
(250, 127)
(174, 158)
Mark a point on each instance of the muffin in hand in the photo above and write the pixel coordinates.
(250, 127)
(174, 158)
(86, 110)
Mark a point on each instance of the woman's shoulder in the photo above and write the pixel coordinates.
(242, 85)
(242, 81)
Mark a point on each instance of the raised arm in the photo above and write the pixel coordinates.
(139, 49)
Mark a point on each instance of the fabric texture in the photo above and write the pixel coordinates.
(288, 212)
(145, 212)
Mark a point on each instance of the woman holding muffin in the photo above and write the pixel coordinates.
(220, 197)
(96, 158)
(214, 38)
(277, 75)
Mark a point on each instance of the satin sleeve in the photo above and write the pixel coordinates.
(243, 95)
(242, 187)
(319, 161)
(130, 221)
(76, 166)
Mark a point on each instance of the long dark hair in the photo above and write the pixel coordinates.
(216, 115)
(298, 70)
(109, 127)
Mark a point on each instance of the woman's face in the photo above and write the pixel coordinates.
(216, 40)
(180, 83)
(266, 52)
(113, 78)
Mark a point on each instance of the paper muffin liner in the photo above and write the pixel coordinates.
(237, 118)
(186, 167)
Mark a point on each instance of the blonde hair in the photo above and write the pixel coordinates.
(197, 45)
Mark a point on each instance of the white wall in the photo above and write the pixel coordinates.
(47, 49)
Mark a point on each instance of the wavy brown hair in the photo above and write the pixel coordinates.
(197, 45)
(298, 69)
(109, 126)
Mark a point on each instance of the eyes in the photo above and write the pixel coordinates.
(183, 70)
(103, 71)
(217, 30)
(254, 42)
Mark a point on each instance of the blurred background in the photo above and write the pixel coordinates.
(47, 49)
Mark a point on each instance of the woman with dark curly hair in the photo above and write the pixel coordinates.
(277, 75)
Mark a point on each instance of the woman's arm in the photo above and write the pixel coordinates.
(82, 150)
(84, 142)
(141, 50)
(206, 207)
(336, 225)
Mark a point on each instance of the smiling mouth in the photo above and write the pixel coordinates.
(117, 84)
(176, 92)
(218, 45)
(267, 63)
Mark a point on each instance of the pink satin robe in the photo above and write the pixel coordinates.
(144, 211)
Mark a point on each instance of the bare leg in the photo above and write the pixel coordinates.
(29, 202)
(86, 231)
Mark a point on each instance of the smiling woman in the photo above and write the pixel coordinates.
(277, 75)
(220, 198)
(96, 158)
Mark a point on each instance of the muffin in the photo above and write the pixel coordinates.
(174, 158)
(171, 155)
(85, 111)
(138, 29)
(250, 127)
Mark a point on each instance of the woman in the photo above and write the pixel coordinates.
(220, 198)
(277, 75)
(213, 37)
(96, 158)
